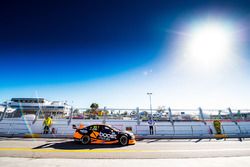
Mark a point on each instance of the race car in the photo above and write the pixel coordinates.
(102, 134)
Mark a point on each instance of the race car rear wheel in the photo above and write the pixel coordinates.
(123, 140)
(85, 139)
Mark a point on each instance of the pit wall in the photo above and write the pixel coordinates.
(63, 127)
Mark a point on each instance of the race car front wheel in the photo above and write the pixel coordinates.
(85, 139)
(123, 140)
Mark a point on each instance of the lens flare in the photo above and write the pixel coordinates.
(209, 45)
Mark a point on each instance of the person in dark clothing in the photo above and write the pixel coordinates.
(151, 124)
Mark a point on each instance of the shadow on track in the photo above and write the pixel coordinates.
(71, 145)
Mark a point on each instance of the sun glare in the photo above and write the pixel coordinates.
(209, 45)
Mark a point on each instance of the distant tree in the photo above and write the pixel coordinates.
(94, 110)
(88, 111)
(76, 112)
(94, 106)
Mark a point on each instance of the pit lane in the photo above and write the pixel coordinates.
(144, 149)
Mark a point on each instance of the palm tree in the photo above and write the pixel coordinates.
(94, 109)
(94, 106)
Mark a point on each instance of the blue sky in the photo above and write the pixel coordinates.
(114, 52)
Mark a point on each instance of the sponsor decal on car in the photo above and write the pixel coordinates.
(105, 136)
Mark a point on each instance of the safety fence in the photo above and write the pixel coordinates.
(169, 122)
(192, 130)
(139, 114)
(167, 130)
(14, 128)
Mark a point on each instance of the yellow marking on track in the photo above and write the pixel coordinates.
(83, 151)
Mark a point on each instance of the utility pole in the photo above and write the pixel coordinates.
(150, 104)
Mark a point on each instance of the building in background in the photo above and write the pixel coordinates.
(39, 106)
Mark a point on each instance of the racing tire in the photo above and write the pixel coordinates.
(85, 139)
(123, 140)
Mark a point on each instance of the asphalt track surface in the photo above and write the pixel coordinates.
(145, 149)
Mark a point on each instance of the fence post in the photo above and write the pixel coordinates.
(10, 128)
(202, 116)
(170, 115)
(70, 115)
(171, 119)
(192, 130)
(37, 115)
(4, 112)
(231, 115)
(105, 115)
(136, 129)
(222, 129)
(233, 119)
(219, 114)
(239, 115)
(138, 115)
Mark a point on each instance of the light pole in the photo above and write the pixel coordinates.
(150, 104)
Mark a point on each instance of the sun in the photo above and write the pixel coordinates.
(209, 45)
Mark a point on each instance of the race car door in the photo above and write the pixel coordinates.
(107, 134)
(94, 131)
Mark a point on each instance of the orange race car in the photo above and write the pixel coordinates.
(103, 134)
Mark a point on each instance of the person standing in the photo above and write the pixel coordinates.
(47, 124)
(217, 126)
(151, 124)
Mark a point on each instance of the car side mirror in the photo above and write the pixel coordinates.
(74, 127)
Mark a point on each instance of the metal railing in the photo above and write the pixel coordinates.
(138, 114)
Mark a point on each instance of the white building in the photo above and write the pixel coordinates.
(40, 106)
